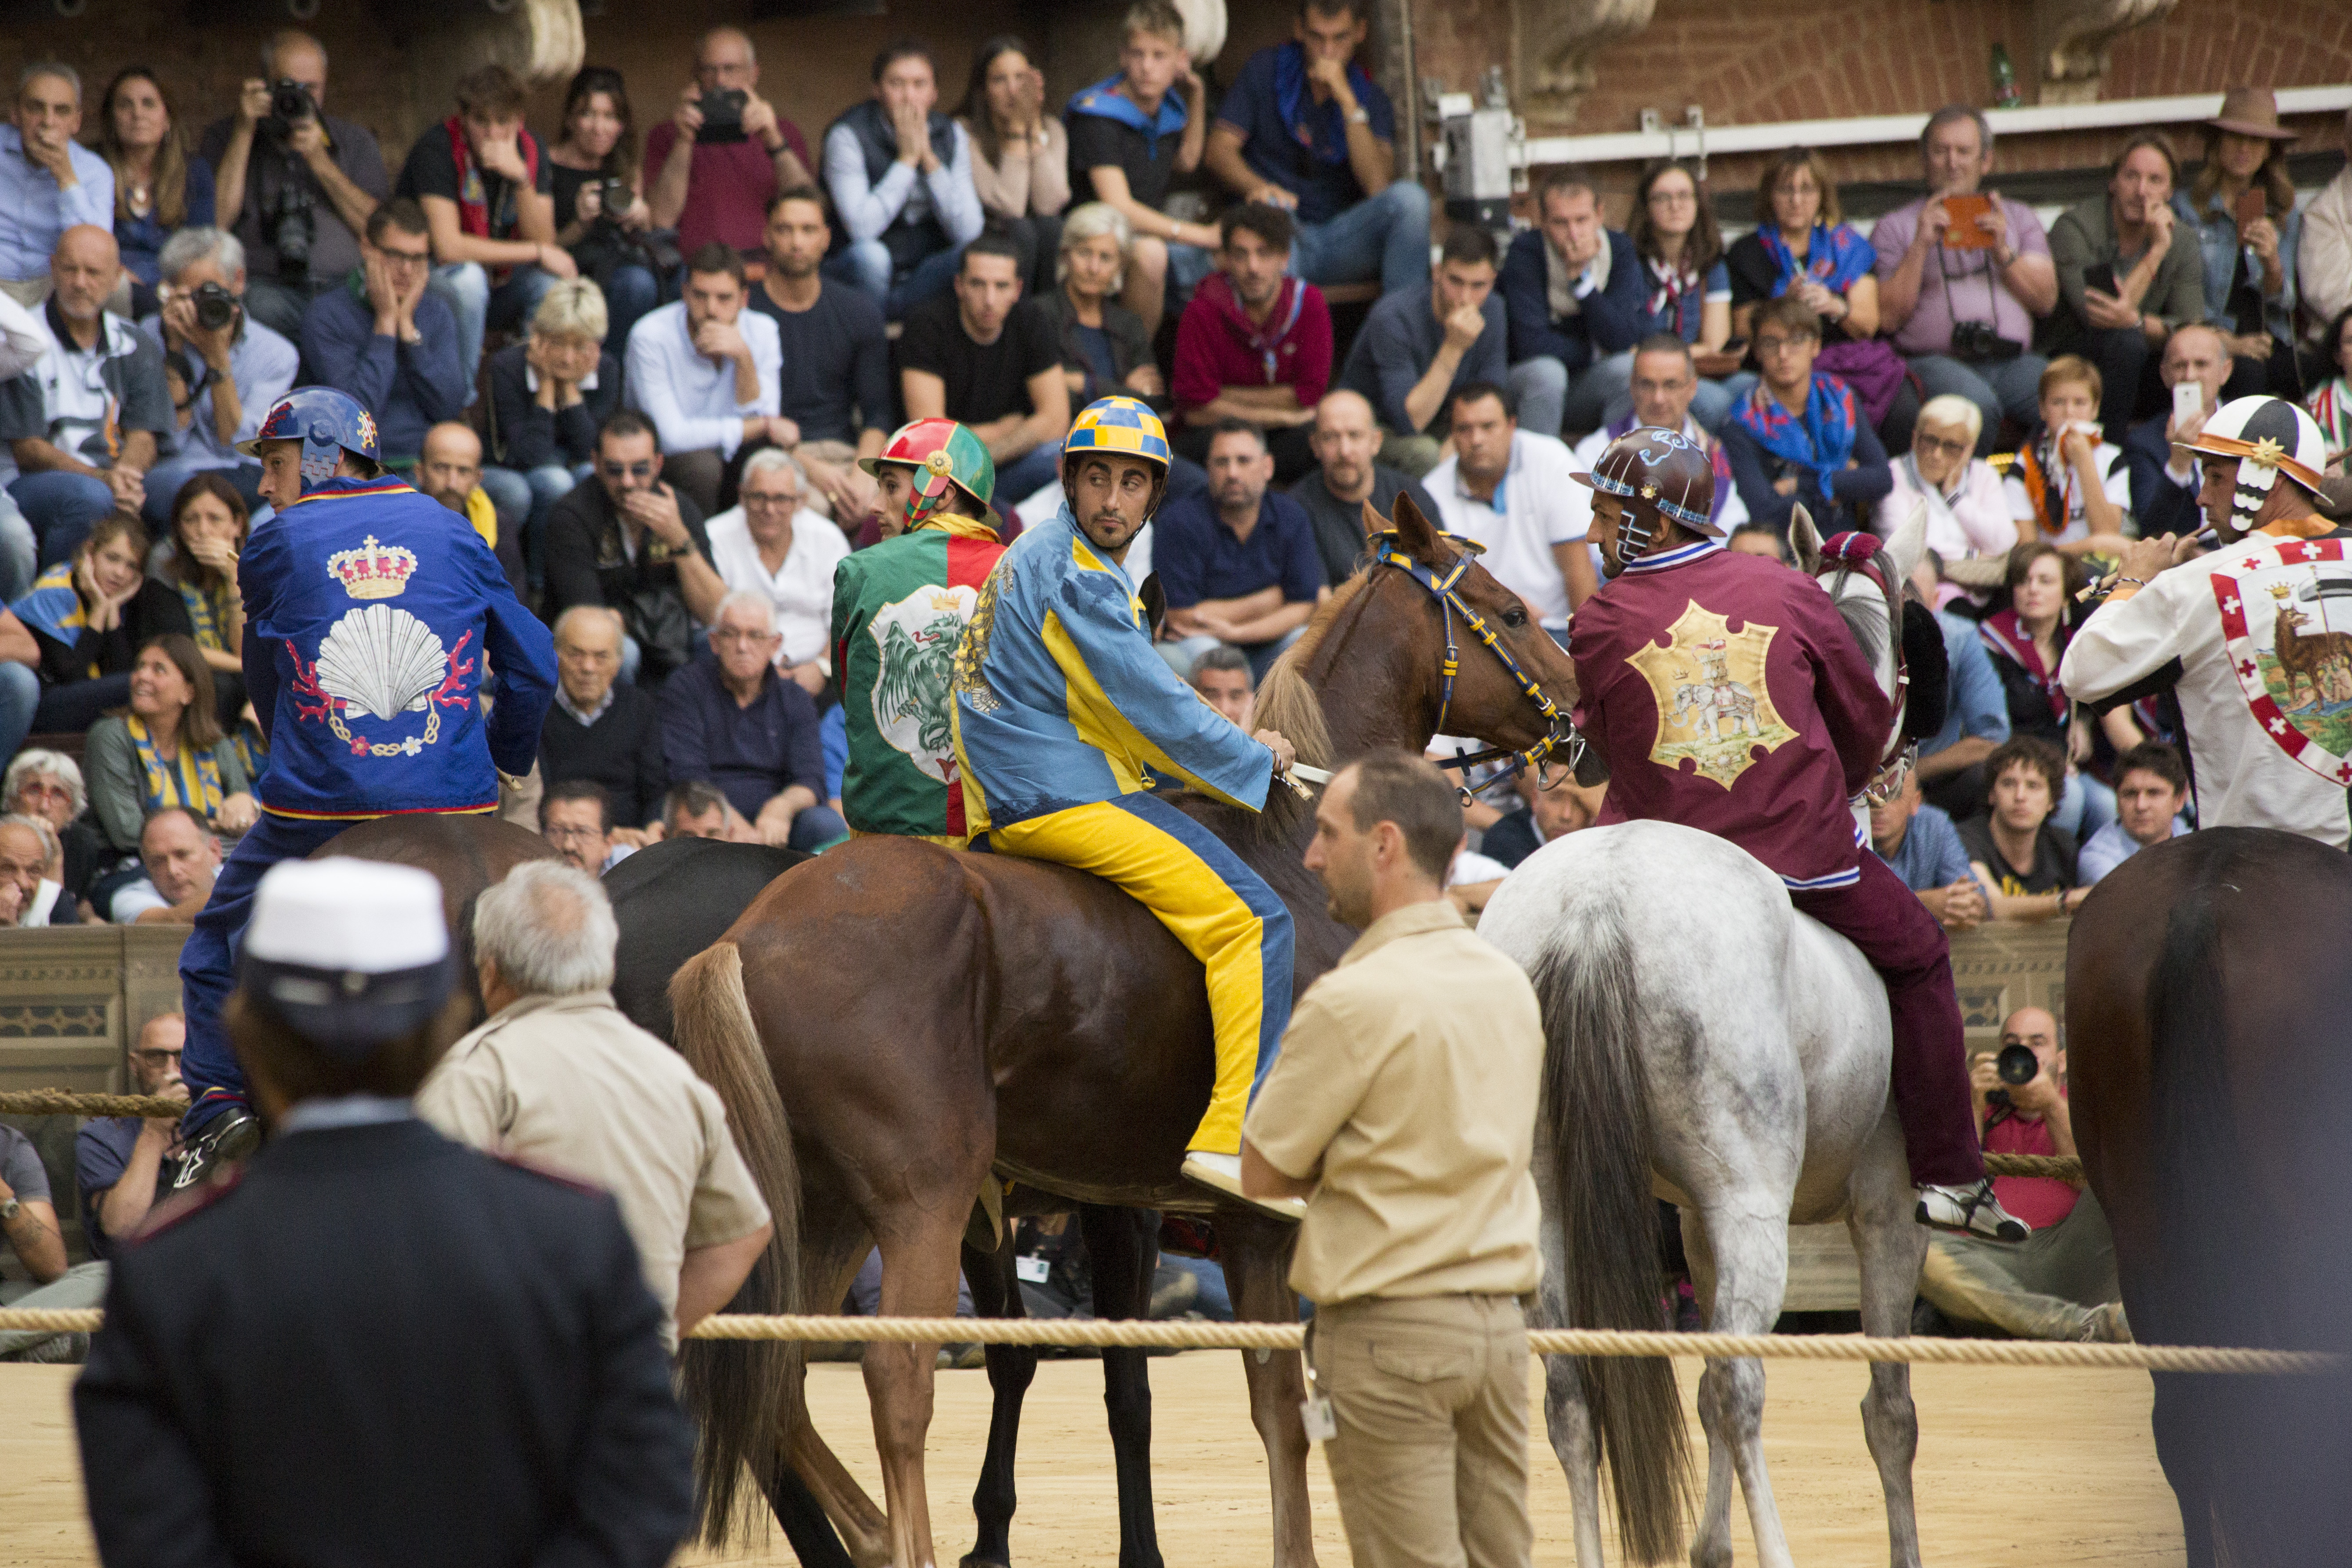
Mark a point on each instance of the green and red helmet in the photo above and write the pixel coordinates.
(946, 453)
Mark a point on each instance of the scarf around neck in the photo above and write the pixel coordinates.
(474, 213)
(1834, 258)
(1105, 100)
(2005, 635)
(1300, 111)
(2331, 406)
(191, 779)
(1263, 341)
(1820, 442)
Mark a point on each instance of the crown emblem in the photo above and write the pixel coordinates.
(373, 571)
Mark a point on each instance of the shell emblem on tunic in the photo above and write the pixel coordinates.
(383, 661)
(1715, 709)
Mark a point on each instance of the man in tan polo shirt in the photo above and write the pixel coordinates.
(1402, 1109)
(558, 1077)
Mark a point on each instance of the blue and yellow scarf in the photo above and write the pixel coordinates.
(192, 779)
(207, 613)
(54, 608)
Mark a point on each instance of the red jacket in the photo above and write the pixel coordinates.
(1217, 345)
(1728, 695)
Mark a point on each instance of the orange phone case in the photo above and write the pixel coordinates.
(1964, 233)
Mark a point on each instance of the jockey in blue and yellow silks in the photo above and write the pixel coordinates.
(1062, 710)
(377, 626)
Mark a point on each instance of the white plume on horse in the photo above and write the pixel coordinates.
(383, 660)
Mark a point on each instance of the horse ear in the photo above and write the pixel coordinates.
(1155, 603)
(1374, 523)
(1805, 540)
(1908, 542)
(1414, 531)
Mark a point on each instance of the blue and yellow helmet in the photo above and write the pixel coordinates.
(1123, 424)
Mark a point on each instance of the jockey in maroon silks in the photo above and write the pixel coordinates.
(1764, 656)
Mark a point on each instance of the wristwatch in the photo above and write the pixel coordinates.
(1360, 115)
(9, 1211)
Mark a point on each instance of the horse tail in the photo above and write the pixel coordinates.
(745, 1396)
(2200, 1178)
(1595, 1117)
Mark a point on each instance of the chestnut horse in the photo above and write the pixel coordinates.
(2206, 995)
(893, 1025)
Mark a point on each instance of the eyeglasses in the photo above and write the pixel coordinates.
(1924, 442)
(1672, 198)
(406, 257)
(643, 471)
(752, 498)
(559, 834)
(155, 1057)
(1766, 347)
(735, 636)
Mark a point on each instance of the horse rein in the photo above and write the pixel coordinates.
(1857, 554)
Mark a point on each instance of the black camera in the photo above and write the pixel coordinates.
(722, 114)
(216, 306)
(289, 100)
(615, 196)
(2017, 1064)
(1980, 343)
(293, 221)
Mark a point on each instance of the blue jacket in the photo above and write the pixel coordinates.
(2158, 505)
(368, 610)
(1061, 699)
(1608, 321)
(409, 388)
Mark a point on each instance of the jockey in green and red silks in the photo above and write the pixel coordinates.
(377, 627)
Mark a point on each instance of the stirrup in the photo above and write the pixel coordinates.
(1969, 1211)
(229, 1137)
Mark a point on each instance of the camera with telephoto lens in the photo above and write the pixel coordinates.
(1979, 342)
(2017, 1065)
(293, 221)
(614, 195)
(216, 306)
(290, 102)
(722, 114)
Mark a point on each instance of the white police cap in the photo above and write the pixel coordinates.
(350, 953)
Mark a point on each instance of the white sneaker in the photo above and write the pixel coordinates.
(1223, 1173)
(1969, 1211)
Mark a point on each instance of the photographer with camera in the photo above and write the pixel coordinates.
(294, 183)
(488, 191)
(721, 158)
(2060, 1282)
(48, 182)
(601, 216)
(233, 368)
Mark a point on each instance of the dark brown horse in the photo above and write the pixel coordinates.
(467, 854)
(2209, 1015)
(893, 1025)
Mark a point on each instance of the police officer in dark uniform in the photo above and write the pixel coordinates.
(377, 1346)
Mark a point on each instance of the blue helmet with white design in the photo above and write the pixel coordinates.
(328, 423)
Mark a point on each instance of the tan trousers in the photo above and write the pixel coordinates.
(1431, 1460)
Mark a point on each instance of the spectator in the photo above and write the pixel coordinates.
(233, 372)
(1422, 344)
(389, 339)
(2127, 274)
(1688, 286)
(634, 544)
(1131, 135)
(2026, 861)
(160, 186)
(1509, 490)
(1239, 564)
(84, 422)
(716, 173)
(49, 183)
(2323, 270)
(987, 357)
(1255, 344)
(1306, 128)
(2069, 484)
(208, 528)
(1920, 845)
(1959, 296)
(731, 721)
(450, 471)
(2058, 1283)
(165, 749)
(32, 866)
(1348, 477)
(297, 191)
(89, 616)
(48, 784)
(1804, 250)
(1020, 155)
(2027, 642)
(1573, 292)
(833, 399)
(771, 542)
(2165, 477)
(1222, 676)
(707, 376)
(1105, 349)
(123, 1163)
(30, 1220)
(694, 808)
(1976, 711)
(2249, 275)
(601, 730)
(1541, 815)
(901, 174)
(1968, 510)
(181, 858)
(601, 213)
(549, 395)
(488, 191)
(2330, 403)
(1665, 393)
(576, 817)
(557, 1076)
(2151, 782)
(1798, 437)
(1758, 539)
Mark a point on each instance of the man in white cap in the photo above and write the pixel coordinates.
(376, 1345)
(2245, 635)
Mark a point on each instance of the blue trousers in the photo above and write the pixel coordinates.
(1384, 237)
(208, 960)
(61, 509)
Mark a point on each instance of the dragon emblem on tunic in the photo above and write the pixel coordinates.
(917, 640)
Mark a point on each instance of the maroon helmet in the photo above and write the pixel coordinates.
(1662, 470)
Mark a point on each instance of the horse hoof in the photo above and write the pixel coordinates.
(973, 1560)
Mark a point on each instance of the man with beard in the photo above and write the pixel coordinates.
(1254, 344)
(1239, 564)
(834, 394)
(1347, 441)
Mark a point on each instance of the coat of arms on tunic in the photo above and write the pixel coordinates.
(2286, 617)
(914, 688)
(1713, 708)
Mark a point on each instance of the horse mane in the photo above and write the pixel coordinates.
(1287, 702)
(1864, 614)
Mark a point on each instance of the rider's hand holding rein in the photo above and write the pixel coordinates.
(2142, 559)
(1285, 753)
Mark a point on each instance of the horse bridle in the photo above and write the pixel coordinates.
(1856, 554)
(1445, 588)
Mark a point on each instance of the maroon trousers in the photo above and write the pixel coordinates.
(1904, 943)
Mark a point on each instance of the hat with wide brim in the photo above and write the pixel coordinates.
(2251, 111)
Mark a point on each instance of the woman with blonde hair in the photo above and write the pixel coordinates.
(1104, 346)
(1968, 515)
(549, 394)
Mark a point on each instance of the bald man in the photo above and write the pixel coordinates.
(2165, 479)
(719, 189)
(1347, 440)
(450, 471)
(83, 425)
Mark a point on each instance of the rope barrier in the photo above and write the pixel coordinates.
(2065, 1167)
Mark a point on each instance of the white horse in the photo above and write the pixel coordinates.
(1710, 1045)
